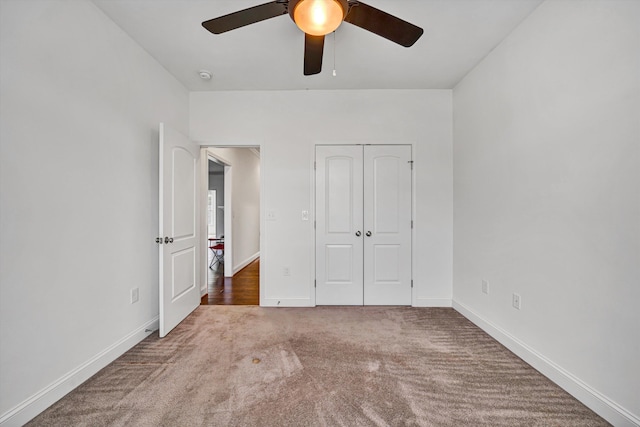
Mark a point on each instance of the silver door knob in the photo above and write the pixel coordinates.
(358, 234)
(368, 234)
(168, 239)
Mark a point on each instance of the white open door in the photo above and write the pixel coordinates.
(179, 226)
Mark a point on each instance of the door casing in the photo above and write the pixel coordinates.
(228, 229)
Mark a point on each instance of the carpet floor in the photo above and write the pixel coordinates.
(324, 366)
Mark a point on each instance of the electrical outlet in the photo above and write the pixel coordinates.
(286, 271)
(516, 301)
(305, 215)
(485, 287)
(135, 295)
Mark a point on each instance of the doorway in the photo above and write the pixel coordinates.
(215, 218)
(233, 243)
(364, 225)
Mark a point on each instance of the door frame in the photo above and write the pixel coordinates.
(228, 214)
(228, 209)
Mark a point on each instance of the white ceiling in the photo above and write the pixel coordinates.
(269, 55)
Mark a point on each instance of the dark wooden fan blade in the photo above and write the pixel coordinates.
(245, 17)
(313, 50)
(383, 24)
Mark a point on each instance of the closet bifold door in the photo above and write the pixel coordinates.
(387, 224)
(339, 233)
(363, 225)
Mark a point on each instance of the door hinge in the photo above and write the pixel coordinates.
(412, 283)
(314, 165)
(159, 240)
(315, 283)
(411, 163)
(314, 224)
(411, 224)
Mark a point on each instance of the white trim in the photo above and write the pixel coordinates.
(432, 302)
(594, 400)
(34, 405)
(246, 262)
(228, 219)
(255, 151)
(215, 157)
(204, 243)
(287, 302)
(263, 227)
(228, 213)
(259, 150)
(228, 206)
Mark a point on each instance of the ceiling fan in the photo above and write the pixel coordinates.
(317, 18)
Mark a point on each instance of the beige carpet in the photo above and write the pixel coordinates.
(325, 366)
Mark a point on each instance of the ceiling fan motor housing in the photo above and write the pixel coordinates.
(317, 18)
(293, 4)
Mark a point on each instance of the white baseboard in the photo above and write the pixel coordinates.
(432, 302)
(286, 302)
(307, 302)
(596, 401)
(246, 262)
(31, 407)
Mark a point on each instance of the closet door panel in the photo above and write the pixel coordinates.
(387, 224)
(339, 252)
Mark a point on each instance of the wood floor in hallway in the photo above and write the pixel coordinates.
(241, 289)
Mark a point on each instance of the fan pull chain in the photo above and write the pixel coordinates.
(334, 54)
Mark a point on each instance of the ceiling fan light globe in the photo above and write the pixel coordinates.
(318, 17)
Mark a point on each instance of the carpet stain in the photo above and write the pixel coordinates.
(373, 366)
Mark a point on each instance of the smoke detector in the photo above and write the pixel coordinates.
(205, 75)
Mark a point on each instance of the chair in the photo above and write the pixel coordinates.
(217, 248)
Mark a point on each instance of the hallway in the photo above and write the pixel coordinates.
(241, 289)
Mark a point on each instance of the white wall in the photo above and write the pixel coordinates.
(80, 108)
(245, 205)
(547, 197)
(288, 125)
